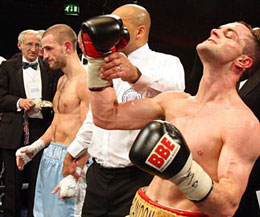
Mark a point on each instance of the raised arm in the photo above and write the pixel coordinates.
(109, 114)
(152, 75)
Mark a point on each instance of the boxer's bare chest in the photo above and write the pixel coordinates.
(201, 127)
(66, 99)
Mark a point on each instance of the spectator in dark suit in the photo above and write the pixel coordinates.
(24, 82)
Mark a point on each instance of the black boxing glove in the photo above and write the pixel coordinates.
(125, 37)
(161, 150)
(101, 36)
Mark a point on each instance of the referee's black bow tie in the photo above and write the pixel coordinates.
(32, 65)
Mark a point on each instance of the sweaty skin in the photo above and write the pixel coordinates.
(71, 100)
(221, 131)
(67, 107)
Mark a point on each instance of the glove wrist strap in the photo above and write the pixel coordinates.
(95, 83)
(193, 181)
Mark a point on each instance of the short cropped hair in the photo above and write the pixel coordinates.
(62, 33)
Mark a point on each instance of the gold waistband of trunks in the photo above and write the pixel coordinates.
(142, 206)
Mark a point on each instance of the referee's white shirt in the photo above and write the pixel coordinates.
(160, 73)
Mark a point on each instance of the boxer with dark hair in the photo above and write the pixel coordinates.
(202, 168)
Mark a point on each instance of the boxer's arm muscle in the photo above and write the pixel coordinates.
(84, 95)
(240, 150)
(109, 114)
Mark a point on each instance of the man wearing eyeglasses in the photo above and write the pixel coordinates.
(27, 86)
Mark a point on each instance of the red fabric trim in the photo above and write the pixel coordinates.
(175, 211)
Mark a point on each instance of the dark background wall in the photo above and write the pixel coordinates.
(177, 25)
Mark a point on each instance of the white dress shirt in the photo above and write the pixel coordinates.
(110, 148)
(2, 59)
(33, 88)
(241, 83)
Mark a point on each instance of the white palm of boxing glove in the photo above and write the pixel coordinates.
(28, 152)
(193, 181)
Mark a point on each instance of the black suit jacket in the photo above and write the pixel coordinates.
(250, 93)
(11, 89)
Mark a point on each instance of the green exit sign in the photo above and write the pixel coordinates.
(71, 9)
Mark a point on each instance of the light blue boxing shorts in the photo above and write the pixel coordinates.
(47, 204)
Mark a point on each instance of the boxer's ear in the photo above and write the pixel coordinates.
(244, 62)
